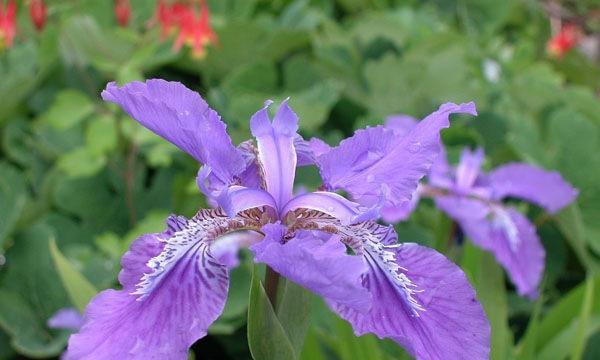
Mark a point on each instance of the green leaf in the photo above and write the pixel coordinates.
(81, 163)
(582, 325)
(13, 195)
(30, 294)
(69, 108)
(101, 135)
(293, 312)
(79, 289)
(267, 338)
(564, 313)
(488, 279)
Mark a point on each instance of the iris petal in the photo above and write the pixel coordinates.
(452, 324)
(326, 202)
(376, 157)
(544, 188)
(236, 199)
(173, 289)
(183, 118)
(516, 246)
(316, 261)
(276, 151)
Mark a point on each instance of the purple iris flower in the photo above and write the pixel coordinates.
(474, 199)
(175, 283)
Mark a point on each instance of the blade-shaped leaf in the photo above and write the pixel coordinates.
(79, 289)
(266, 337)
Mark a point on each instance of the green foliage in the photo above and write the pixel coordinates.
(81, 172)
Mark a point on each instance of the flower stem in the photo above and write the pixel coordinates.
(271, 284)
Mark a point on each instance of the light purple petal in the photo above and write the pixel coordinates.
(375, 158)
(393, 214)
(544, 188)
(400, 124)
(440, 172)
(452, 324)
(468, 169)
(68, 318)
(276, 150)
(318, 147)
(182, 117)
(326, 202)
(304, 151)
(173, 289)
(236, 199)
(462, 208)
(316, 261)
(212, 186)
(515, 244)
(226, 249)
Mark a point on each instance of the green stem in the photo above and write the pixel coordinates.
(271, 285)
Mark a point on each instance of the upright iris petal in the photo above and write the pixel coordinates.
(276, 150)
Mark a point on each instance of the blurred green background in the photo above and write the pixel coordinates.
(78, 171)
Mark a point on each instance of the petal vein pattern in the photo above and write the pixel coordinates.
(179, 290)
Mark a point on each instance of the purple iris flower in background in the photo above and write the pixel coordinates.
(474, 200)
(175, 283)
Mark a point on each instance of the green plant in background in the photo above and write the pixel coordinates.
(345, 64)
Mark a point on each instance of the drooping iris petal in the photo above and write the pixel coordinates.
(173, 289)
(515, 244)
(276, 150)
(468, 168)
(239, 198)
(326, 202)
(68, 318)
(544, 188)
(317, 261)
(182, 117)
(452, 324)
(375, 158)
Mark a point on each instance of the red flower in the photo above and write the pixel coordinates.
(192, 29)
(567, 38)
(38, 13)
(122, 12)
(7, 23)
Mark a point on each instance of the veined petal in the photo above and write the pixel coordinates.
(468, 168)
(544, 188)
(326, 202)
(236, 199)
(317, 261)
(173, 289)
(183, 118)
(276, 152)
(514, 242)
(376, 157)
(445, 321)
